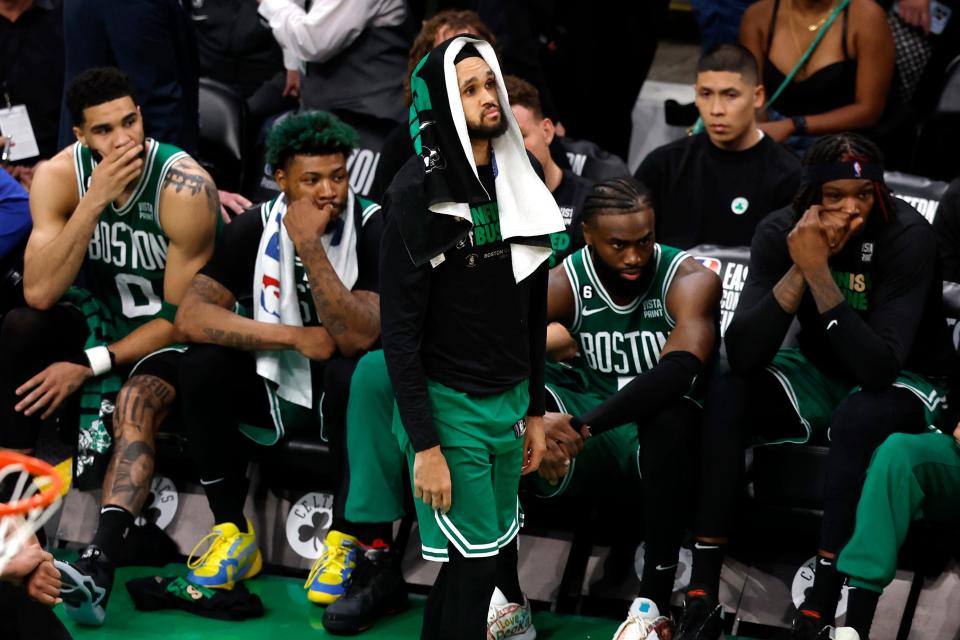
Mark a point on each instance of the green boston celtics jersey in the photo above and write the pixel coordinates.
(127, 254)
(618, 342)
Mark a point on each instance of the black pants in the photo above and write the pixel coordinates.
(220, 389)
(31, 340)
(739, 408)
(667, 455)
(23, 618)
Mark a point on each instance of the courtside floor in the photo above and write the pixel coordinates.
(288, 616)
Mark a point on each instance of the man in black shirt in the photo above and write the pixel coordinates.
(715, 187)
(463, 305)
(305, 263)
(31, 73)
(858, 269)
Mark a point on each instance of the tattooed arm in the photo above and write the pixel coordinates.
(352, 318)
(205, 317)
(189, 208)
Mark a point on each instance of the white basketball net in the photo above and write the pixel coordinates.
(16, 529)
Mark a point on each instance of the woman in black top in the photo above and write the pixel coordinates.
(843, 85)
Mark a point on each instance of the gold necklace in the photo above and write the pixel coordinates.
(812, 28)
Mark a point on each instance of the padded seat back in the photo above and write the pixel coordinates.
(923, 194)
(222, 131)
(587, 159)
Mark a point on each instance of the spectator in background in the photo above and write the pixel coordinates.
(716, 186)
(236, 47)
(31, 72)
(153, 43)
(14, 214)
(397, 147)
(719, 20)
(350, 54)
(15, 225)
(595, 80)
(843, 85)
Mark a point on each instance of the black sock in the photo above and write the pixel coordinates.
(657, 582)
(825, 592)
(226, 497)
(707, 563)
(861, 608)
(508, 579)
(112, 530)
(469, 587)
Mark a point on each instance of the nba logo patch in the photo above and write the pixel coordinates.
(710, 263)
(520, 428)
(857, 170)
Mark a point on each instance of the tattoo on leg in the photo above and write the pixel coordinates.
(131, 469)
(141, 398)
(142, 404)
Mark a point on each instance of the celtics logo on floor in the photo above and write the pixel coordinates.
(308, 521)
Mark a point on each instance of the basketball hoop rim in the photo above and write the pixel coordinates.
(37, 468)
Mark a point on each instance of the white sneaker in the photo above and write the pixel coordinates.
(644, 622)
(844, 633)
(509, 620)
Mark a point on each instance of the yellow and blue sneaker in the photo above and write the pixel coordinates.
(231, 557)
(330, 574)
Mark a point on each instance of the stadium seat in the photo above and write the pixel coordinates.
(587, 159)
(222, 131)
(933, 153)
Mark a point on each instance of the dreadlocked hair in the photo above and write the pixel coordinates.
(842, 147)
(311, 133)
(617, 195)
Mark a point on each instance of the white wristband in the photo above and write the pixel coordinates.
(100, 360)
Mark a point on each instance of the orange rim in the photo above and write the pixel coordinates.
(37, 468)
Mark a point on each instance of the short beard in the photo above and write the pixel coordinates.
(488, 132)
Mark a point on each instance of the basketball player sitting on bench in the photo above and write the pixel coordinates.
(140, 216)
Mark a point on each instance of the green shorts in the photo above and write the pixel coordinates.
(816, 395)
(375, 491)
(607, 459)
(482, 441)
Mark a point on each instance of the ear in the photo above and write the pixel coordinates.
(281, 178)
(587, 236)
(78, 133)
(549, 130)
(759, 98)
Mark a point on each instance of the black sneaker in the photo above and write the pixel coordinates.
(86, 586)
(376, 589)
(702, 617)
(809, 624)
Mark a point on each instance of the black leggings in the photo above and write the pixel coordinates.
(460, 597)
(30, 341)
(740, 407)
(220, 388)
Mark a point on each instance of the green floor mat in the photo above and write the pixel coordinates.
(288, 616)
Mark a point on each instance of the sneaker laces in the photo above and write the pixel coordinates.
(218, 539)
(336, 558)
